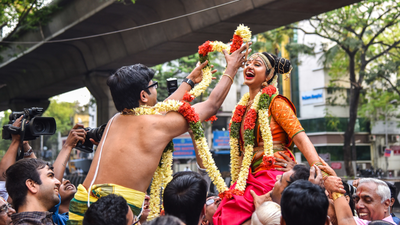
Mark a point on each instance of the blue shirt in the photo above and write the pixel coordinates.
(60, 219)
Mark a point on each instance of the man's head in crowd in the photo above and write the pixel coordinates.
(32, 186)
(5, 212)
(299, 172)
(165, 220)
(132, 86)
(212, 203)
(372, 199)
(109, 210)
(67, 190)
(393, 194)
(304, 203)
(185, 196)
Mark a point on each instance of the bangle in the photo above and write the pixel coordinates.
(188, 81)
(228, 76)
(336, 195)
(29, 152)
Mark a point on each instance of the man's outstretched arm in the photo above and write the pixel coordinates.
(210, 107)
(76, 134)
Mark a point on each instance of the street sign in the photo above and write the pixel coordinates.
(221, 140)
(183, 148)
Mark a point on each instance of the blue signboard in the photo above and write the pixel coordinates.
(221, 140)
(183, 148)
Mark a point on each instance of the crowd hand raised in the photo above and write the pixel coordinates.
(76, 134)
(316, 176)
(237, 58)
(326, 168)
(356, 182)
(286, 163)
(17, 123)
(334, 184)
(197, 75)
(259, 200)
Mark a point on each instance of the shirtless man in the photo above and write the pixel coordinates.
(131, 147)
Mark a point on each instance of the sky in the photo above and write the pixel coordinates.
(82, 95)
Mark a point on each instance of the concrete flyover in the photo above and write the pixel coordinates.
(32, 73)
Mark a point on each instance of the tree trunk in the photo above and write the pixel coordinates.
(355, 90)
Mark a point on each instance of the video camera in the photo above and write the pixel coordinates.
(95, 133)
(32, 129)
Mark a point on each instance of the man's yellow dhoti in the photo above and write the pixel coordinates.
(78, 204)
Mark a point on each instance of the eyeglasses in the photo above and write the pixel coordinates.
(212, 200)
(4, 208)
(154, 84)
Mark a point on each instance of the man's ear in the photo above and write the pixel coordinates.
(144, 96)
(387, 203)
(283, 221)
(32, 186)
(327, 221)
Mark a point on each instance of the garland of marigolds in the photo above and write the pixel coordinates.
(163, 173)
(259, 108)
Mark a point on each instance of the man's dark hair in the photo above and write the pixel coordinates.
(393, 190)
(349, 192)
(127, 83)
(304, 203)
(185, 196)
(16, 176)
(164, 220)
(301, 172)
(108, 210)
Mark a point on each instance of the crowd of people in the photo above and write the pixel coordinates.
(277, 190)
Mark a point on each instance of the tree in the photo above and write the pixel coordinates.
(366, 33)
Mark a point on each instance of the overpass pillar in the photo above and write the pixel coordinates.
(96, 82)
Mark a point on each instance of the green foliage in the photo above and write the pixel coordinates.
(23, 15)
(180, 68)
(378, 105)
(63, 113)
(4, 143)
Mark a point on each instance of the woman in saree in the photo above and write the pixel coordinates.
(250, 129)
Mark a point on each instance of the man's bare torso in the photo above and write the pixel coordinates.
(131, 152)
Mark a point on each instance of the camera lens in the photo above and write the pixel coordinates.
(39, 127)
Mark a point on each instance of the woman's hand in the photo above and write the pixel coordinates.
(286, 163)
(326, 168)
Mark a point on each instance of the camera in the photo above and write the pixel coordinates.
(172, 85)
(95, 134)
(32, 129)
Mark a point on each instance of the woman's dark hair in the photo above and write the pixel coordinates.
(127, 83)
(349, 192)
(281, 65)
(108, 210)
(16, 176)
(164, 220)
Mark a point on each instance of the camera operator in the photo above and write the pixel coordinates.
(10, 157)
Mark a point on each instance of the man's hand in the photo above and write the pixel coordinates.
(259, 200)
(76, 134)
(334, 184)
(237, 58)
(356, 182)
(316, 176)
(287, 163)
(17, 123)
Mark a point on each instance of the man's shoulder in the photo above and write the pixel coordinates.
(32, 218)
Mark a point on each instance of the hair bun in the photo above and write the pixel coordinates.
(282, 65)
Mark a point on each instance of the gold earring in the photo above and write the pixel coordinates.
(264, 84)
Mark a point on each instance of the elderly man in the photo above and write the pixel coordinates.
(372, 201)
